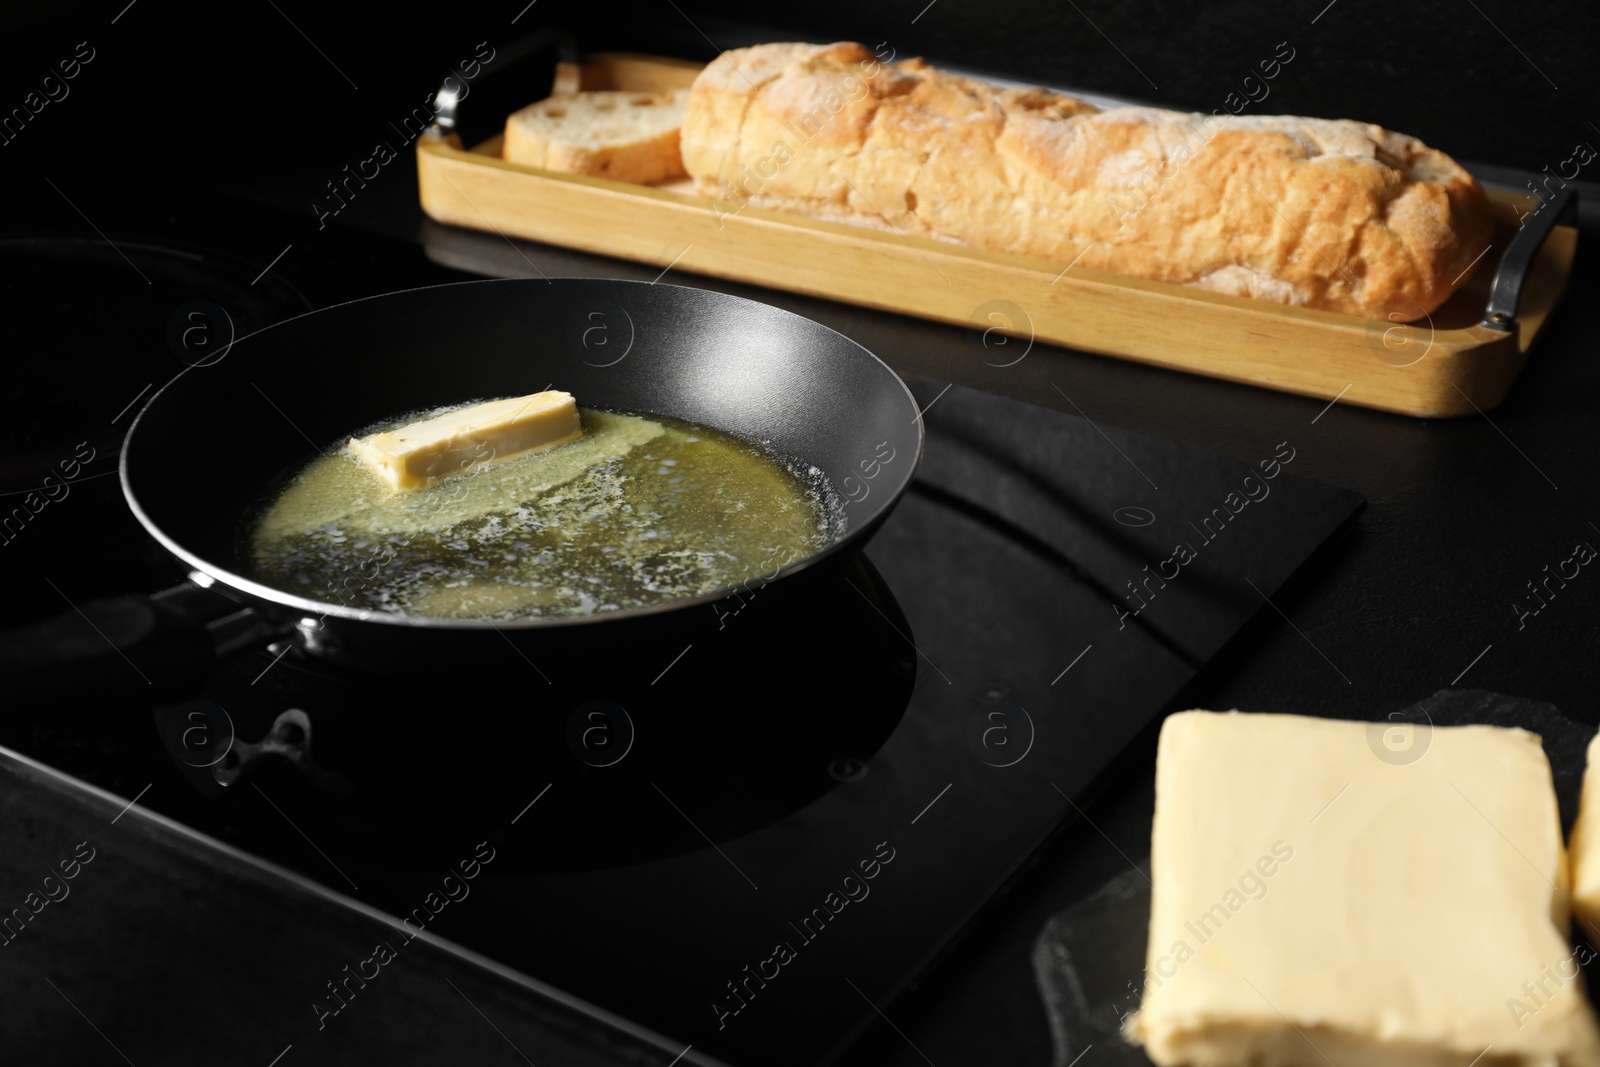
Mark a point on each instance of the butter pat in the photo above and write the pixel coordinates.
(1585, 850)
(423, 453)
(1357, 893)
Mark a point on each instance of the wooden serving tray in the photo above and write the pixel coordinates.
(1450, 364)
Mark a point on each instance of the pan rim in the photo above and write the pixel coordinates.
(321, 610)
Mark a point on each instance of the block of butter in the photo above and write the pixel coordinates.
(423, 453)
(1584, 848)
(1330, 892)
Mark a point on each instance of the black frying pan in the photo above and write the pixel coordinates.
(200, 454)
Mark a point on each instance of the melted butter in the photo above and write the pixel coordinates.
(638, 511)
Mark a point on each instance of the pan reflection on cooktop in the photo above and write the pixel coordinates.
(398, 772)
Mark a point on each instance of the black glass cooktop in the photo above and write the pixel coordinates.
(747, 840)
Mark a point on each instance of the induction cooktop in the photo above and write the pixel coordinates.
(746, 842)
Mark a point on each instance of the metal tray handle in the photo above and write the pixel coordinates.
(534, 57)
(1505, 291)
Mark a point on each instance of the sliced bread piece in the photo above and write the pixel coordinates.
(631, 137)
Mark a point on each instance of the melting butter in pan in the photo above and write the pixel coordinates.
(425, 453)
(637, 511)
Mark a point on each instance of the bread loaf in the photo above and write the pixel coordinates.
(1339, 215)
(631, 137)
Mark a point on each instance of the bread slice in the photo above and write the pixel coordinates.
(1338, 215)
(631, 137)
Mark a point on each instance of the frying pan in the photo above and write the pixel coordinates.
(203, 450)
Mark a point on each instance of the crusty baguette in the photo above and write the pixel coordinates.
(631, 137)
(1338, 215)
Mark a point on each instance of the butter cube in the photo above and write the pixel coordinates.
(423, 453)
(1585, 850)
(1358, 893)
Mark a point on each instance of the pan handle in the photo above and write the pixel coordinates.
(157, 647)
